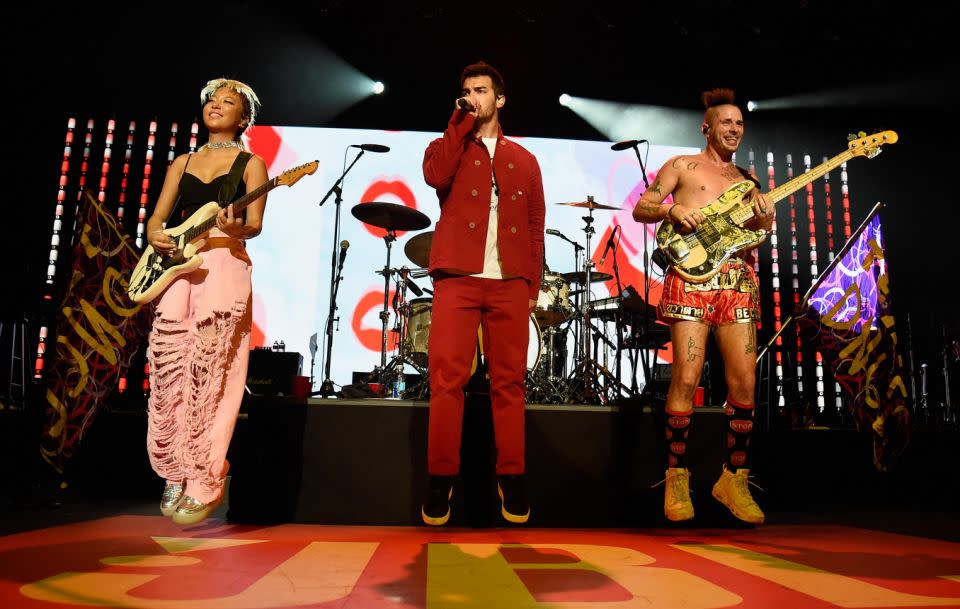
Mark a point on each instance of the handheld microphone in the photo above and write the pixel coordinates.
(343, 252)
(371, 147)
(610, 245)
(465, 104)
(627, 144)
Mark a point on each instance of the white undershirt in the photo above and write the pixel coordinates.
(491, 254)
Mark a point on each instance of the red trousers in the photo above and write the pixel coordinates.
(460, 305)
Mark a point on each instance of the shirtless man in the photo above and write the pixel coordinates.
(728, 304)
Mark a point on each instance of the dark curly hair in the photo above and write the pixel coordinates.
(482, 68)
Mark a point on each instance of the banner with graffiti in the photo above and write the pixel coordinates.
(98, 330)
(847, 314)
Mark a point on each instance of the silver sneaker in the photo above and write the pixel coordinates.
(172, 495)
(191, 511)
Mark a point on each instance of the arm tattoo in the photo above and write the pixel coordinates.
(656, 186)
(676, 162)
(692, 166)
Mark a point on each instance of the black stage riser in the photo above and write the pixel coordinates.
(364, 462)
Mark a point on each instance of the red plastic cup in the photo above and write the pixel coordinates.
(300, 386)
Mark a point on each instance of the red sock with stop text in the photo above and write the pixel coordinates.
(678, 426)
(739, 428)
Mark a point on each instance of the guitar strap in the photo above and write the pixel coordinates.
(746, 174)
(229, 187)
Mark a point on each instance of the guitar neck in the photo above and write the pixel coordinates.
(791, 186)
(238, 205)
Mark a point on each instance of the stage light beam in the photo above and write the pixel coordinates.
(621, 121)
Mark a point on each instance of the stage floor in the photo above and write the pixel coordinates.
(144, 561)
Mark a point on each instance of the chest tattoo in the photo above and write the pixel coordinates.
(731, 173)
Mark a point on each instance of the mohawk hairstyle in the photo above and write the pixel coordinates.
(717, 97)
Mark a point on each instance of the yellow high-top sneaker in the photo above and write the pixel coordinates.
(676, 496)
(731, 490)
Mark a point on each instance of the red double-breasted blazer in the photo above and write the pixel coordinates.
(457, 165)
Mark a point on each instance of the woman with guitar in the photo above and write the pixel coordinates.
(726, 303)
(199, 344)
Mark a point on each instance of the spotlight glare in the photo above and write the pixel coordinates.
(564, 100)
(751, 106)
(378, 88)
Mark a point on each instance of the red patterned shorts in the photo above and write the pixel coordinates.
(729, 297)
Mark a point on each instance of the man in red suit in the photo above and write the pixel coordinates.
(486, 261)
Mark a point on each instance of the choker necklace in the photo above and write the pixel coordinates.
(227, 144)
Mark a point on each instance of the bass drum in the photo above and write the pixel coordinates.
(418, 338)
(479, 378)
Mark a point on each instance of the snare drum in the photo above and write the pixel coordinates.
(553, 301)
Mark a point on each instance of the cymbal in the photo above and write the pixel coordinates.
(581, 277)
(390, 216)
(417, 249)
(589, 204)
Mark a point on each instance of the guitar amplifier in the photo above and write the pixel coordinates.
(271, 372)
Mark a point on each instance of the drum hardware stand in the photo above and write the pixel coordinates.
(545, 386)
(402, 307)
(919, 412)
(949, 415)
(577, 248)
(380, 373)
(391, 372)
(924, 398)
(326, 388)
(585, 376)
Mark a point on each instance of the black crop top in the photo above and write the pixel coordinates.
(195, 193)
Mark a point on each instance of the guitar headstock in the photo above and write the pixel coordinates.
(290, 176)
(869, 145)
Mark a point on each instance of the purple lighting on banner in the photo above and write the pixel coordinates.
(849, 292)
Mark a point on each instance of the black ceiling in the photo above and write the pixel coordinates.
(154, 58)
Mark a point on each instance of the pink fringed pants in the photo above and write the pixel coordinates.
(199, 349)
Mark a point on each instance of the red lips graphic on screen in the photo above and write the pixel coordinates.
(376, 192)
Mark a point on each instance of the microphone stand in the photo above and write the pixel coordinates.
(326, 388)
(645, 359)
(620, 324)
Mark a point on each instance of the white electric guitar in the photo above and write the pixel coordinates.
(154, 272)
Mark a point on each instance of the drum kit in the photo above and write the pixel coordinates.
(565, 315)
